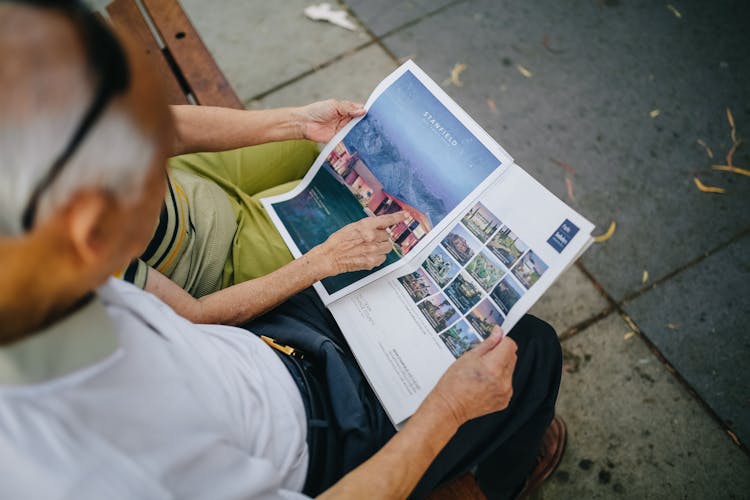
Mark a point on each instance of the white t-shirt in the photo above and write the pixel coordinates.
(125, 399)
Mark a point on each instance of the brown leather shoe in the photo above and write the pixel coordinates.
(550, 453)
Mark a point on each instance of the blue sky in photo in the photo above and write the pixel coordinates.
(449, 172)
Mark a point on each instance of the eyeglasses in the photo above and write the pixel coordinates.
(106, 58)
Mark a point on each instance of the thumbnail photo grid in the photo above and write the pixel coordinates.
(470, 281)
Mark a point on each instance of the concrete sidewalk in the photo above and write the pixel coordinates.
(654, 321)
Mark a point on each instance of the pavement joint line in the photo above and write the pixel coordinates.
(375, 39)
(309, 72)
(617, 306)
(408, 24)
(684, 267)
(583, 325)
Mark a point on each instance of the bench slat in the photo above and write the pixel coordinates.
(206, 81)
(126, 15)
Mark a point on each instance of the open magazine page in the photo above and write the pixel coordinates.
(486, 269)
(415, 151)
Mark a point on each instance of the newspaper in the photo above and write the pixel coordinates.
(482, 242)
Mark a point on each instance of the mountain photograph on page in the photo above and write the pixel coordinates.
(409, 153)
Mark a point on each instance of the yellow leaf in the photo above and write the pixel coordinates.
(708, 189)
(673, 326)
(456, 74)
(491, 105)
(525, 72)
(674, 11)
(629, 335)
(730, 117)
(654, 113)
(644, 279)
(705, 146)
(569, 185)
(730, 168)
(607, 235)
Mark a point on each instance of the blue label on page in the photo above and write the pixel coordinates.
(560, 238)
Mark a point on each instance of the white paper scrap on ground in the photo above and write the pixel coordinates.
(323, 12)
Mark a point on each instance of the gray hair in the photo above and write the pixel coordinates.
(44, 94)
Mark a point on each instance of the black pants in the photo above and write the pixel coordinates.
(347, 424)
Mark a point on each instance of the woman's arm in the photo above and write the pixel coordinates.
(361, 245)
(210, 128)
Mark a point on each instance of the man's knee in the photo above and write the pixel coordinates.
(537, 338)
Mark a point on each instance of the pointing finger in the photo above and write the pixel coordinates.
(387, 220)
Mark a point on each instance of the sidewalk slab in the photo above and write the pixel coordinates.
(699, 321)
(382, 16)
(595, 74)
(573, 298)
(335, 81)
(260, 45)
(634, 431)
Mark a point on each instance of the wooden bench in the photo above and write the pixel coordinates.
(190, 76)
(170, 42)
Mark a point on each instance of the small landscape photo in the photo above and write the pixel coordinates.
(486, 269)
(440, 266)
(460, 244)
(484, 318)
(506, 246)
(463, 292)
(507, 293)
(418, 285)
(529, 269)
(481, 222)
(459, 338)
(438, 311)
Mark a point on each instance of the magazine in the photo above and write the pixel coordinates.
(481, 243)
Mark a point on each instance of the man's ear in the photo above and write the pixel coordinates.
(90, 224)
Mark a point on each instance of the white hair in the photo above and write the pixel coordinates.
(42, 102)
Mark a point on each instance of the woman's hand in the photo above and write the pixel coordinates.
(320, 121)
(361, 245)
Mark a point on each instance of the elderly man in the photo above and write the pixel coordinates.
(106, 393)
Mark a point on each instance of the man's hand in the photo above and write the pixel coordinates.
(361, 245)
(479, 382)
(320, 121)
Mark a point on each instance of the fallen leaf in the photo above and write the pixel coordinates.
(731, 168)
(491, 105)
(673, 326)
(608, 234)
(569, 185)
(564, 166)
(628, 335)
(734, 437)
(708, 189)
(630, 322)
(644, 278)
(456, 74)
(654, 113)
(705, 146)
(674, 11)
(323, 12)
(733, 133)
(730, 118)
(525, 72)
(730, 154)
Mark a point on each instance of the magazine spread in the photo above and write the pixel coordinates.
(482, 243)
(415, 150)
